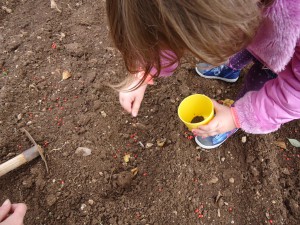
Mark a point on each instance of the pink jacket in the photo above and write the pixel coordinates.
(276, 45)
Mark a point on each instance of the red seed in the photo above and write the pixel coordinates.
(196, 210)
(200, 216)
(271, 221)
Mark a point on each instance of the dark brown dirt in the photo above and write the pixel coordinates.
(176, 183)
(197, 119)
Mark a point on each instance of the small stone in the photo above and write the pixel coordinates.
(19, 117)
(8, 10)
(273, 202)
(149, 145)
(83, 151)
(254, 171)
(97, 104)
(103, 114)
(51, 199)
(91, 201)
(231, 180)
(213, 180)
(244, 139)
(29, 123)
(285, 171)
(223, 159)
(83, 206)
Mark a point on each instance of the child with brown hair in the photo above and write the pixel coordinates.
(153, 35)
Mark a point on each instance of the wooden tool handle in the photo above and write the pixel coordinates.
(19, 160)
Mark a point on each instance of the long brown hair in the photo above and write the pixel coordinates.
(212, 30)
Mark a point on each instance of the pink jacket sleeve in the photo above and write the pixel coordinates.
(167, 68)
(276, 103)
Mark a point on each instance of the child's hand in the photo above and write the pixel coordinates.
(221, 123)
(131, 101)
(12, 214)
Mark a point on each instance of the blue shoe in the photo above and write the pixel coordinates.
(213, 141)
(222, 72)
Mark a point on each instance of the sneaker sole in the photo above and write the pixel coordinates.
(208, 147)
(217, 78)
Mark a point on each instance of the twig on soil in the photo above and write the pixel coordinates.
(54, 5)
(219, 157)
(57, 149)
(39, 148)
(70, 7)
(110, 176)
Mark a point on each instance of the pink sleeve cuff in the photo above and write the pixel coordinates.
(149, 78)
(235, 117)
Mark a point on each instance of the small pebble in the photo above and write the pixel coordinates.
(103, 114)
(213, 180)
(231, 180)
(244, 139)
(91, 201)
(223, 159)
(149, 145)
(19, 117)
(83, 206)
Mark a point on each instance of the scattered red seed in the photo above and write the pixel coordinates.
(145, 174)
(200, 216)
(196, 210)
(271, 221)
(46, 143)
(53, 46)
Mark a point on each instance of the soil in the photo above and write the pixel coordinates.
(144, 170)
(197, 119)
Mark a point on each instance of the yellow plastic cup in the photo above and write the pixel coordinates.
(195, 105)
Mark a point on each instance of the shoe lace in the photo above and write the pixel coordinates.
(217, 70)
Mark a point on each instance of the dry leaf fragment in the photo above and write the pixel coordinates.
(280, 144)
(228, 102)
(134, 171)
(161, 142)
(66, 75)
(294, 142)
(126, 158)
